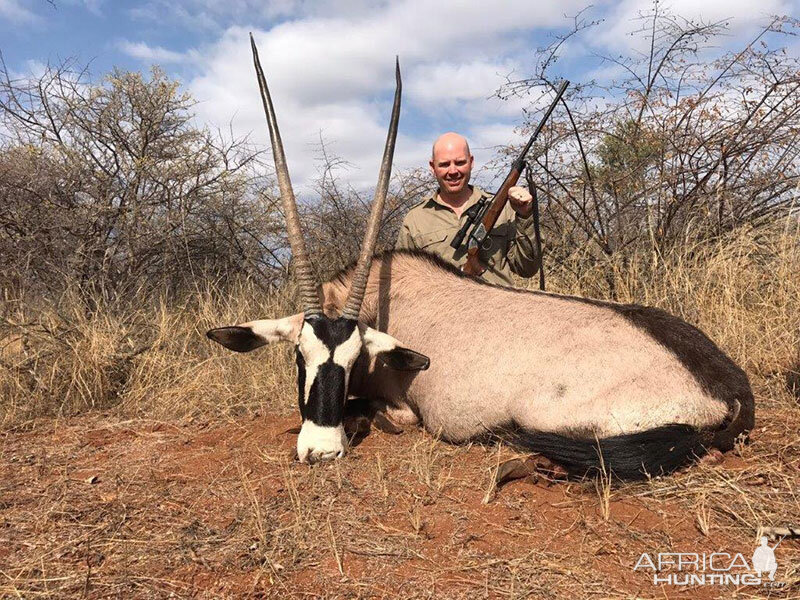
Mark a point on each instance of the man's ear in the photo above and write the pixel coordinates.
(252, 335)
(389, 351)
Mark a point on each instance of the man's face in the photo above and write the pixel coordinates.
(452, 166)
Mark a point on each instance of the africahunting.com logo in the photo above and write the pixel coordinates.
(716, 568)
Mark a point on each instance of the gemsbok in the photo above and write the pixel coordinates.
(588, 384)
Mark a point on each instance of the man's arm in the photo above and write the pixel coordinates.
(404, 239)
(522, 257)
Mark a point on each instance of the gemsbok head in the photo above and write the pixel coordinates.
(326, 348)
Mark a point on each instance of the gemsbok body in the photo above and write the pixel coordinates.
(588, 384)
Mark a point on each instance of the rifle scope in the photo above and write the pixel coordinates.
(472, 213)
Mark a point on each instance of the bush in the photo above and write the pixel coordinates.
(111, 188)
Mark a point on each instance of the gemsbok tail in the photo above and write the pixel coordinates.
(635, 456)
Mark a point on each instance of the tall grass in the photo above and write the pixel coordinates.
(743, 290)
(150, 358)
(146, 358)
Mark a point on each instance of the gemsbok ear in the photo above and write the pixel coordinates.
(389, 351)
(252, 335)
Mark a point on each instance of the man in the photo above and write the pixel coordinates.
(432, 224)
(764, 558)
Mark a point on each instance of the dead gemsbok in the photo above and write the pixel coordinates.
(570, 378)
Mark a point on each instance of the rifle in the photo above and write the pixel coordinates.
(486, 213)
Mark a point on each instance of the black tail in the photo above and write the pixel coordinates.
(631, 456)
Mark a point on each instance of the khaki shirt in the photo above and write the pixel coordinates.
(432, 225)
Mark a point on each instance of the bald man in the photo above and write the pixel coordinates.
(432, 224)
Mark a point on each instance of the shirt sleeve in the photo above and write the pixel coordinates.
(522, 256)
(404, 239)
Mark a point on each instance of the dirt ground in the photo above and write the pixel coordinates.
(100, 507)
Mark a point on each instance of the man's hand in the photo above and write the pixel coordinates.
(521, 201)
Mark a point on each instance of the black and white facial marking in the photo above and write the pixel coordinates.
(326, 350)
(325, 354)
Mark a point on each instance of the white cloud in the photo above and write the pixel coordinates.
(93, 6)
(334, 74)
(33, 70)
(153, 54)
(741, 15)
(16, 13)
(449, 84)
(342, 110)
(330, 67)
(213, 14)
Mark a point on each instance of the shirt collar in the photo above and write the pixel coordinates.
(474, 197)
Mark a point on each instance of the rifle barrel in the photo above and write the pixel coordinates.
(560, 92)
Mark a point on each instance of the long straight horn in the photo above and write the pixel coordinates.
(305, 274)
(359, 281)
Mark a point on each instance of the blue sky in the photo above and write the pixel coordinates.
(330, 63)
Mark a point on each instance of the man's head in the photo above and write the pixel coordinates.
(451, 163)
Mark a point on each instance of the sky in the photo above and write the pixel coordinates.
(330, 63)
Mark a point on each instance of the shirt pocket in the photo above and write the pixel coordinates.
(430, 240)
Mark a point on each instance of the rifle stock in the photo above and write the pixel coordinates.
(474, 266)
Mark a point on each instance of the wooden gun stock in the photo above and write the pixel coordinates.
(474, 266)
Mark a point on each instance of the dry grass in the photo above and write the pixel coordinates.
(183, 483)
(195, 511)
(743, 290)
(153, 360)
(60, 360)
